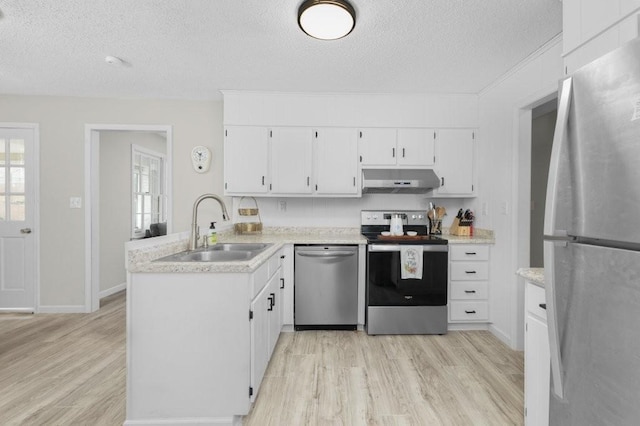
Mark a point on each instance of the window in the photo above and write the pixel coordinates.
(12, 183)
(149, 203)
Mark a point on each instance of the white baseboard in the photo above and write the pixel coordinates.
(502, 336)
(61, 309)
(112, 290)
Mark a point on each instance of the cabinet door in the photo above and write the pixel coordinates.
(275, 312)
(455, 162)
(377, 147)
(536, 372)
(246, 160)
(416, 147)
(259, 338)
(291, 160)
(336, 162)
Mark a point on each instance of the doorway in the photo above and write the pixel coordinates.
(543, 123)
(109, 191)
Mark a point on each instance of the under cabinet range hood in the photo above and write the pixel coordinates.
(398, 181)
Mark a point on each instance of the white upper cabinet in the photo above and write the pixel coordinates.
(455, 163)
(291, 160)
(416, 147)
(246, 160)
(380, 147)
(336, 161)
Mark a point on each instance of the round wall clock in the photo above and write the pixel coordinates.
(201, 158)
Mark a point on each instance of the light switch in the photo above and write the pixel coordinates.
(75, 203)
(282, 206)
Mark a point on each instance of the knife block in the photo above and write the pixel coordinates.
(461, 228)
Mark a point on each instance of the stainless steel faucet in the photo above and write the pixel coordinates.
(195, 234)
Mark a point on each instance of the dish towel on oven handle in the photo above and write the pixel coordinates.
(411, 262)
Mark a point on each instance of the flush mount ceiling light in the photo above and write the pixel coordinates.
(326, 19)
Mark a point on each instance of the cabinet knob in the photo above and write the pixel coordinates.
(470, 312)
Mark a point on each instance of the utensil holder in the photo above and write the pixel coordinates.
(435, 226)
(248, 227)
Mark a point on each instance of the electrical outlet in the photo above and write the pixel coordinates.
(75, 203)
(282, 206)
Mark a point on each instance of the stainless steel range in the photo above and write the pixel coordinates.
(406, 275)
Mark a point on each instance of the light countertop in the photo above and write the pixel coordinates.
(142, 253)
(533, 275)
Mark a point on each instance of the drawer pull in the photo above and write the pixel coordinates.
(470, 291)
(469, 272)
(470, 253)
(470, 312)
(543, 305)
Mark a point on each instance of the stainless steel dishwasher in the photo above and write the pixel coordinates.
(326, 287)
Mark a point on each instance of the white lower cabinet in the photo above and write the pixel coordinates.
(198, 344)
(537, 363)
(266, 322)
(468, 283)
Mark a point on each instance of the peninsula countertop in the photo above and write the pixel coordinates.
(533, 275)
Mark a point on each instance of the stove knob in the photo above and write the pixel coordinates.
(375, 217)
(420, 217)
(413, 216)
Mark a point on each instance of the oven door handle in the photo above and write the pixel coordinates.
(396, 247)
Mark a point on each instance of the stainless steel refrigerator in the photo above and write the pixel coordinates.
(592, 245)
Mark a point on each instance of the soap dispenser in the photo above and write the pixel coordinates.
(213, 235)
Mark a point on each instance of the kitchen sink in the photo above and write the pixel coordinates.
(226, 252)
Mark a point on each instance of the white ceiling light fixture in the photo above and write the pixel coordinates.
(113, 60)
(326, 19)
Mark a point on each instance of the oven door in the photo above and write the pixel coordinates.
(386, 288)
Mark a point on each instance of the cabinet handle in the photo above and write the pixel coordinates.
(470, 312)
(543, 306)
(470, 291)
(442, 184)
(262, 180)
(281, 282)
(283, 256)
(272, 301)
(316, 186)
(402, 152)
(470, 253)
(393, 152)
(354, 181)
(308, 180)
(469, 272)
(360, 134)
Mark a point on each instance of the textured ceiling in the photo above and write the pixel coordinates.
(190, 49)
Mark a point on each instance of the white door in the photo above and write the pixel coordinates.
(291, 160)
(246, 160)
(18, 261)
(416, 147)
(336, 165)
(377, 147)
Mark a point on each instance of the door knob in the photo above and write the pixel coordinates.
(25, 231)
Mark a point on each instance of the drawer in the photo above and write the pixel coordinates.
(535, 296)
(469, 290)
(468, 252)
(469, 271)
(469, 311)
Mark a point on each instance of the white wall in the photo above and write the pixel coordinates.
(501, 106)
(62, 124)
(115, 199)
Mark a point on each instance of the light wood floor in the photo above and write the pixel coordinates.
(70, 370)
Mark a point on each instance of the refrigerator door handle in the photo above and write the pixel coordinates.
(552, 318)
(559, 138)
